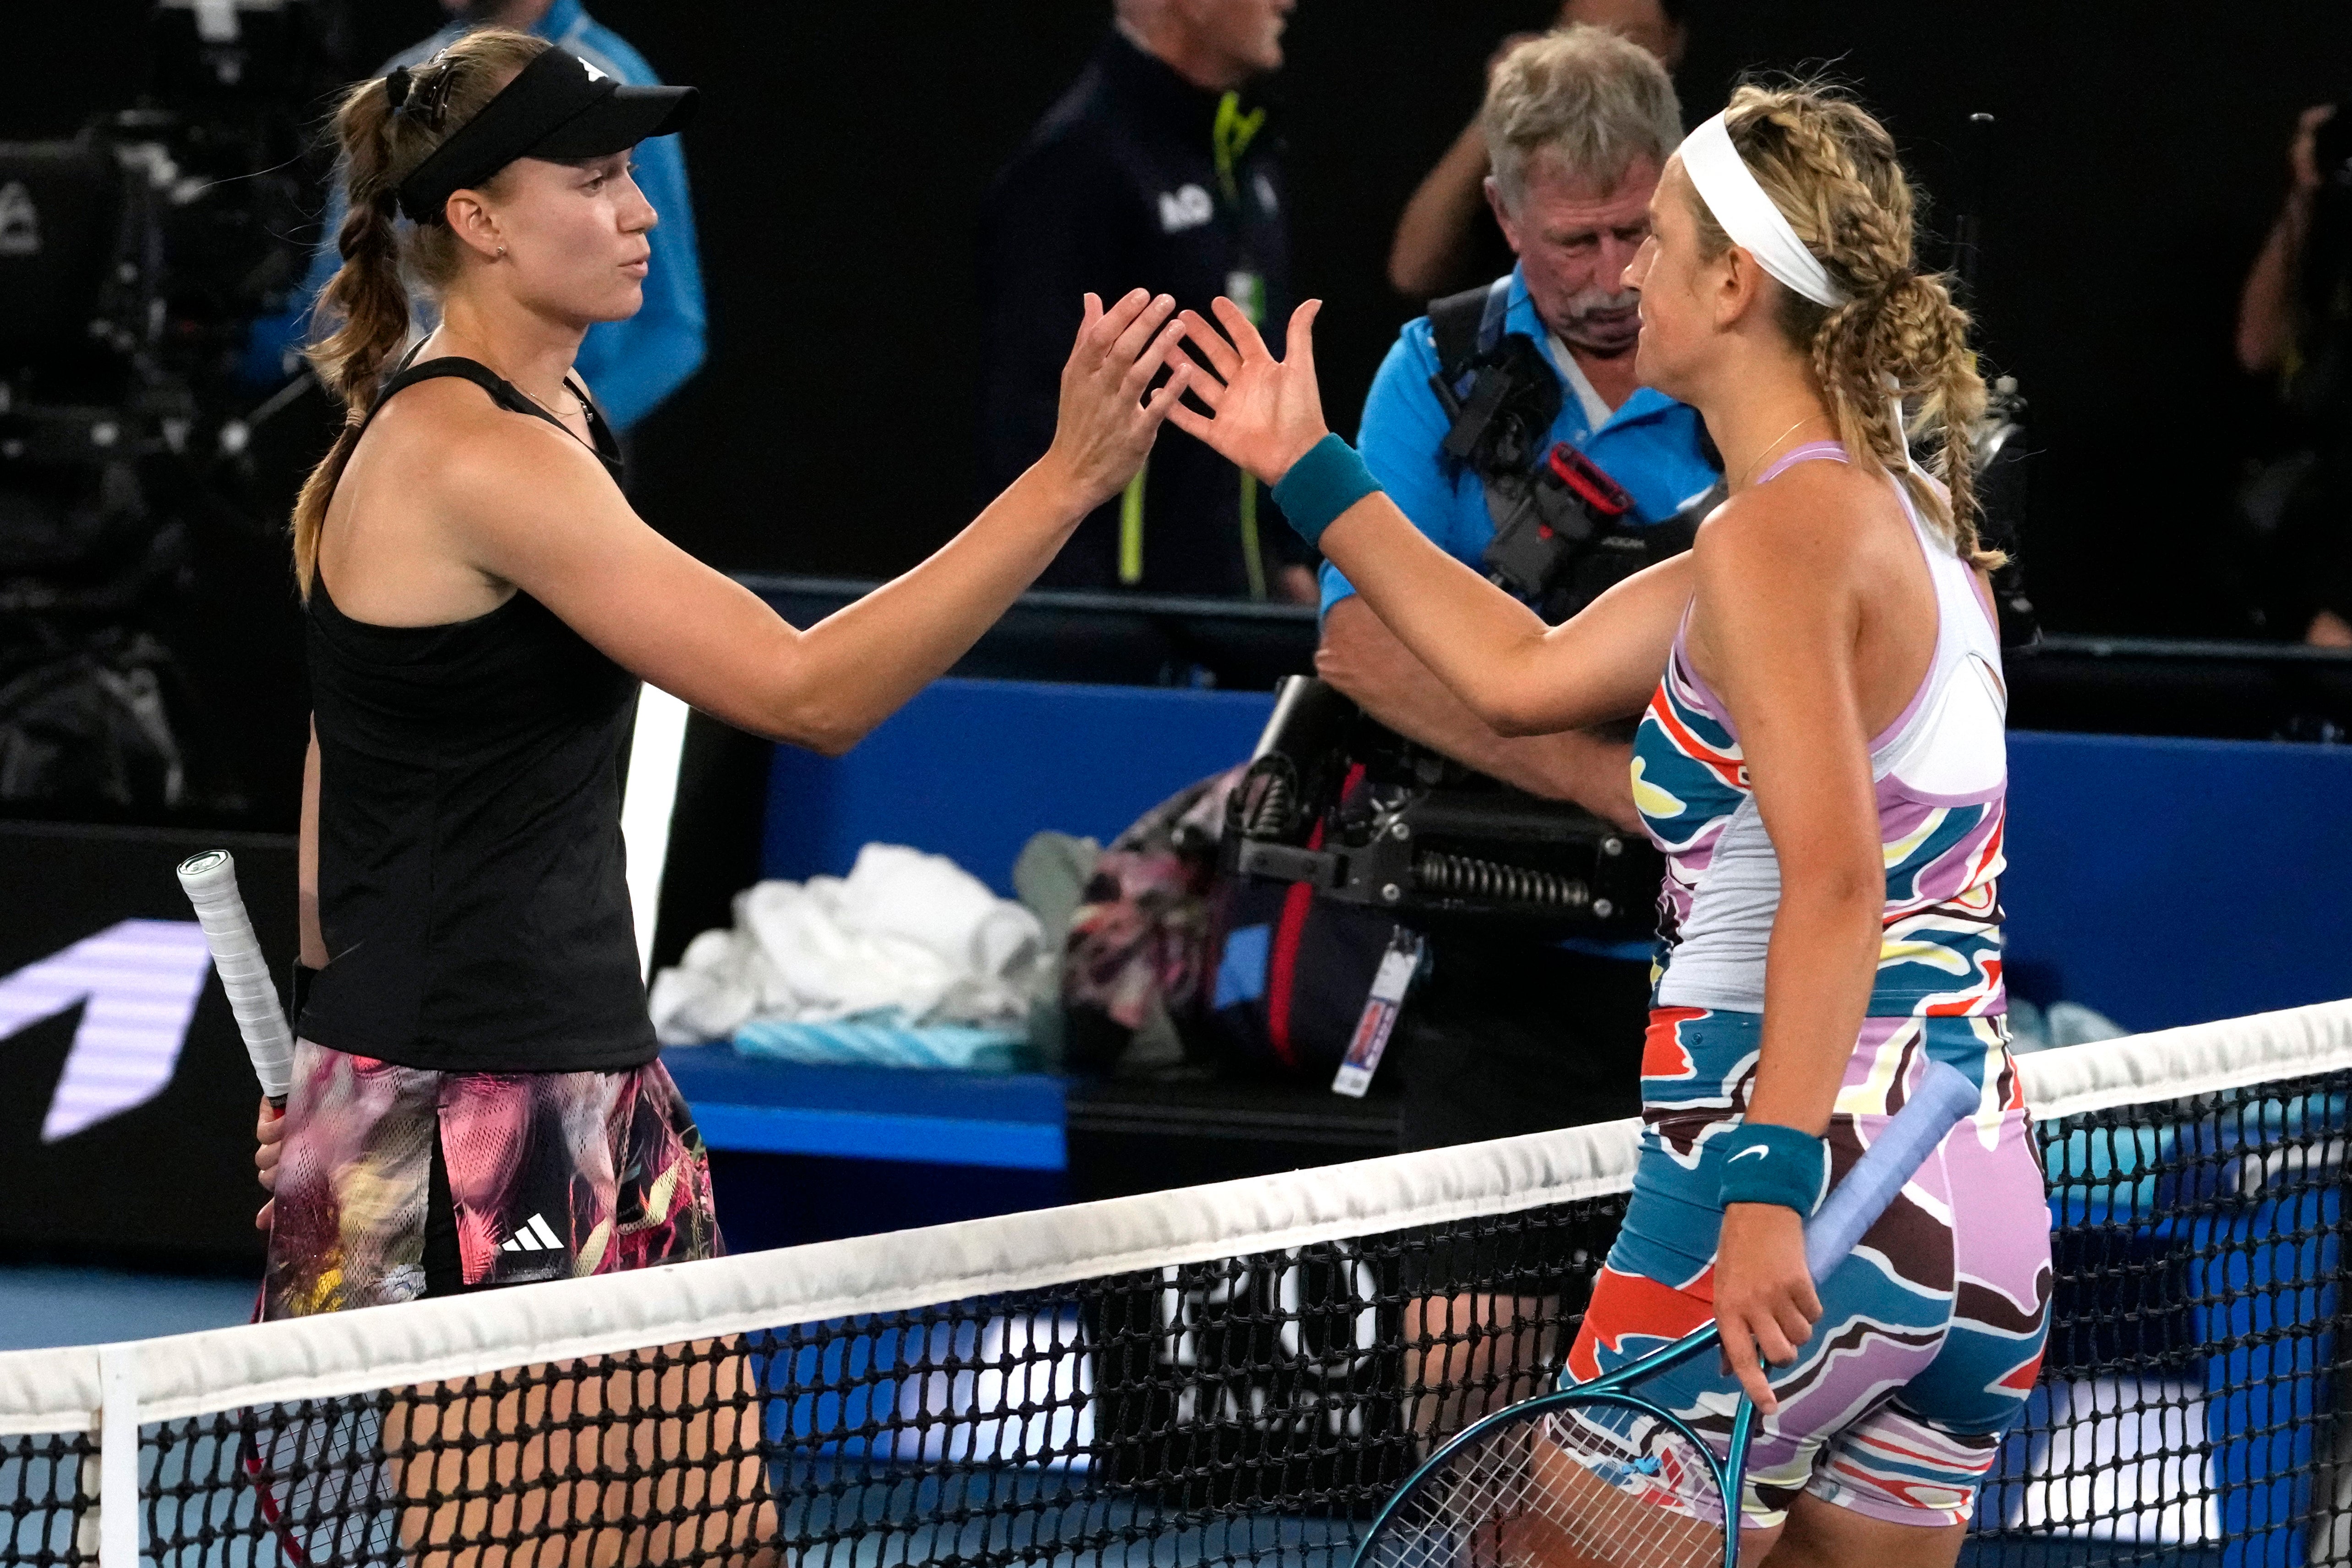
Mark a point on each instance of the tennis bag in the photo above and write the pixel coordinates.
(1255, 978)
(1287, 979)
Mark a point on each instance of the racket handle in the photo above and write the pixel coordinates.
(1940, 1102)
(210, 881)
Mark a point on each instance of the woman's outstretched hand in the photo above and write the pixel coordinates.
(1264, 413)
(1106, 423)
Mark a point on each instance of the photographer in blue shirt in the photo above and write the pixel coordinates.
(1505, 1037)
(630, 366)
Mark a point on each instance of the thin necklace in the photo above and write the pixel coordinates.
(580, 404)
(582, 409)
(1774, 442)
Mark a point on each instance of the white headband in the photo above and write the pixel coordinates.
(1757, 226)
(1730, 191)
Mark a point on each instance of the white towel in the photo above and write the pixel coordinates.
(906, 935)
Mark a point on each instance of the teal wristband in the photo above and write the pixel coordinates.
(1763, 1163)
(1320, 486)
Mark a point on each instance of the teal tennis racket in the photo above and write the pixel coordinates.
(1596, 1476)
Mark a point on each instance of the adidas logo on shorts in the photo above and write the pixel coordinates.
(532, 1236)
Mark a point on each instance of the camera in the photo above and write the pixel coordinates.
(139, 252)
(1337, 800)
(134, 257)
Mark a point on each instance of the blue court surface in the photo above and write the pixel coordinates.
(42, 1306)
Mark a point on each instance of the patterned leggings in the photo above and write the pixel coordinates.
(1930, 1333)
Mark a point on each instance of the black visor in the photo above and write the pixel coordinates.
(557, 107)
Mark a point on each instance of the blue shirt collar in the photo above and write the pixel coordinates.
(1520, 316)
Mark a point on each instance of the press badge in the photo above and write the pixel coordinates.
(1398, 965)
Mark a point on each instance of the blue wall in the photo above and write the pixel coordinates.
(2161, 881)
(2170, 882)
(970, 769)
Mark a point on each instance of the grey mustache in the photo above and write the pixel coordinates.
(1591, 302)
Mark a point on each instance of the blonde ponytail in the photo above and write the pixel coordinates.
(379, 141)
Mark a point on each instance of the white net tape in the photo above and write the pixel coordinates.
(61, 1391)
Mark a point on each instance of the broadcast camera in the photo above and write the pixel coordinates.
(135, 255)
(133, 258)
(1337, 800)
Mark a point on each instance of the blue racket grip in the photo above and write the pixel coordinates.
(1942, 1100)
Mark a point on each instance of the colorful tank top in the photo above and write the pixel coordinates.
(1941, 770)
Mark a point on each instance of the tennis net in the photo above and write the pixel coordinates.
(1227, 1374)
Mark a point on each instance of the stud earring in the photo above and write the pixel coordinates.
(502, 250)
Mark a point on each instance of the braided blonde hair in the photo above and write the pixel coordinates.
(366, 302)
(1832, 170)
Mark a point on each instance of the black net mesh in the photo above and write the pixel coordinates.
(1259, 1408)
(48, 1485)
(2187, 1407)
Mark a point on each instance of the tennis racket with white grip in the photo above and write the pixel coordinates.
(316, 1468)
(210, 881)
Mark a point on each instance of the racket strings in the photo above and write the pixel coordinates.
(323, 1481)
(1635, 1498)
(1588, 1489)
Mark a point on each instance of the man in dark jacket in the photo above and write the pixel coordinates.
(1157, 169)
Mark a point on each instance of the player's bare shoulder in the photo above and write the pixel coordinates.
(1811, 516)
(470, 459)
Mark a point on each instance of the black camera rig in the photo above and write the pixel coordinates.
(134, 257)
(1565, 532)
(1337, 800)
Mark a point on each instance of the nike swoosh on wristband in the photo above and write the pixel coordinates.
(1759, 1151)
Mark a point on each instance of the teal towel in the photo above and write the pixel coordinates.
(877, 1040)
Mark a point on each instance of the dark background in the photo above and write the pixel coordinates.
(95, 1196)
(844, 151)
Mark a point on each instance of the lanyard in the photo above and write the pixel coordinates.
(1229, 141)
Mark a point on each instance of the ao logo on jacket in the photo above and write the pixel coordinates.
(1187, 207)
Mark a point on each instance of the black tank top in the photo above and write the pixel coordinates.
(470, 866)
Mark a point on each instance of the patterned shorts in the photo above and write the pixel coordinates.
(1930, 1333)
(549, 1176)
